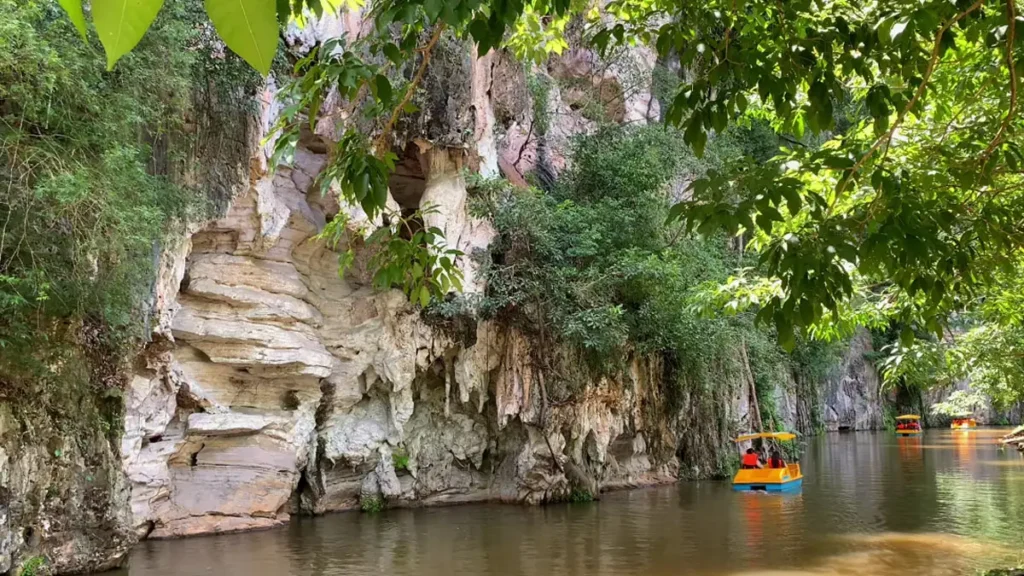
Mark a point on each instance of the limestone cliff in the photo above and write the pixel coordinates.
(273, 386)
(278, 387)
(848, 398)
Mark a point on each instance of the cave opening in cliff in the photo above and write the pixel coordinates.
(407, 184)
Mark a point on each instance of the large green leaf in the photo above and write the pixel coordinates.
(75, 14)
(248, 27)
(122, 23)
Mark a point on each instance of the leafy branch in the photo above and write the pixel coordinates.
(932, 62)
(383, 141)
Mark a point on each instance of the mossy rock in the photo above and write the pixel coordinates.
(372, 504)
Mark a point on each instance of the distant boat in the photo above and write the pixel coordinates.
(908, 424)
(783, 479)
(963, 423)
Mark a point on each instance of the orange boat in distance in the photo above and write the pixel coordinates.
(908, 424)
(963, 423)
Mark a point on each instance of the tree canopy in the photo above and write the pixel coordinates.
(898, 200)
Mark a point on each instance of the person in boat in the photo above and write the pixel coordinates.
(901, 426)
(776, 460)
(750, 460)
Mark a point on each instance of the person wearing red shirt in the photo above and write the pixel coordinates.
(750, 460)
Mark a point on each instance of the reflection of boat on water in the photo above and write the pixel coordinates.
(963, 423)
(965, 446)
(764, 516)
(907, 424)
(783, 479)
(910, 448)
(769, 514)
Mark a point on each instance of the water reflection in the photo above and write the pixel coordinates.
(871, 503)
(911, 453)
(897, 553)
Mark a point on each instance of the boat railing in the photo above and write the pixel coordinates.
(794, 470)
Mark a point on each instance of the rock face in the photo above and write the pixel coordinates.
(851, 398)
(273, 386)
(64, 496)
(276, 387)
(278, 378)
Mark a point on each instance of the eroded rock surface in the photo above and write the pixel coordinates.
(280, 378)
(851, 398)
(276, 386)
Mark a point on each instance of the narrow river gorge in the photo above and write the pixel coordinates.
(495, 311)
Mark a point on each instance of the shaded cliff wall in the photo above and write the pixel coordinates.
(64, 496)
(846, 397)
(851, 398)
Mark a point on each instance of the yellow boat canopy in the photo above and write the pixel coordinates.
(908, 417)
(783, 436)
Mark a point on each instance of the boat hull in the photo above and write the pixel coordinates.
(768, 479)
(907, 432)
(784, 487)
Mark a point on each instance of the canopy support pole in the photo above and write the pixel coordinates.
(749, 374)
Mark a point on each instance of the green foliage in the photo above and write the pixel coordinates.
(921, 365)
(400, 459)
(248, 28)
(898, 196)
(959, 403)
(120, 24)
(591, 266)
(80, 208)
(987, 355)
(540, 92)
(910, 211)
(76, 15)
(889, 414)
(583, 256)
(405, 255)
(537, 35)
(917, 196)
(580, 495)
(85, 204)
(32, 566)
(372, 504)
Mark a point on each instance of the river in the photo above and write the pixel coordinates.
(945, 503)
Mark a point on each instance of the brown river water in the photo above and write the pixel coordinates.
(945, 503)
